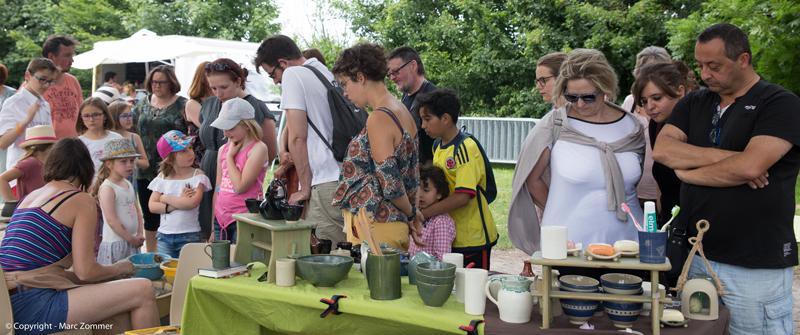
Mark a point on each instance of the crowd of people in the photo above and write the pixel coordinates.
(97, 180)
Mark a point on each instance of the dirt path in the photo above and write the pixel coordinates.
(510, 261)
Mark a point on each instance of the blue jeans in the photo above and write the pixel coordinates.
(760, 300)
(171, 244)
(229, 234)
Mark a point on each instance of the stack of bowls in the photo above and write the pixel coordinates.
(579, 311)
(419, 258)
(622, 314)
(435, 282)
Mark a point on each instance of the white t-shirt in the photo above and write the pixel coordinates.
(179, 221)
(96, 147)
(578, 199)
(125, 205)
(301, 89)
(14, 110)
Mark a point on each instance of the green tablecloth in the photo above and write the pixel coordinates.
(242, 305)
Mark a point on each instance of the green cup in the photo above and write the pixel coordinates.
(383, 275)
(220, 254)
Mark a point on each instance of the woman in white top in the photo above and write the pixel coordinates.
(594, 159)
(94, 125)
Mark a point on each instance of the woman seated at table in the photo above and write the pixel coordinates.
(583, 176)
(380, 170)
(43, 288)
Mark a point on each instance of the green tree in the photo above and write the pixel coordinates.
(773, 27)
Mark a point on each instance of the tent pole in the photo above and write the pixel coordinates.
(94, 78)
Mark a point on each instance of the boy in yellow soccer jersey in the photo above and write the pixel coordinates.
(461, 158)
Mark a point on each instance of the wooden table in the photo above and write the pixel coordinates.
(581, 262)
(258, 239)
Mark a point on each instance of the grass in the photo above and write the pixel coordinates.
(503, 173)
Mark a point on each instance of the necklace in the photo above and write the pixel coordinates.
(68, 183)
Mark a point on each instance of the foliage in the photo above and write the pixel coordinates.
(773, 28)
(487, 50)
(25, 24)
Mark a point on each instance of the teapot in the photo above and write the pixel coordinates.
(274, 200)
(513, 297)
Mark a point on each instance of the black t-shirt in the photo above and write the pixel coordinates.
(425, 141)
(749, 228)
(668, 183)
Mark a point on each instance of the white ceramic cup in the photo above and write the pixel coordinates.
(474, 288)
(454, 258)
(285, 272)
(554, 242)
(460, 285)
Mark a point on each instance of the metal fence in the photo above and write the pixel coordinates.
(501, 137)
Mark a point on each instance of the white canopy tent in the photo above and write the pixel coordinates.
(184, 52)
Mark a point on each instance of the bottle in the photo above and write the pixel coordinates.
(650, 217)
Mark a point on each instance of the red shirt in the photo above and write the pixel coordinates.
(31, 178)
(65, 97)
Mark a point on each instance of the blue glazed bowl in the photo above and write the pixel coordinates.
(576, 283)
(579, 311)
(620, 283)
(623, 314)
(148, 265)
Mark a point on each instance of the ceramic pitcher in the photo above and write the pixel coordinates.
(513, 298)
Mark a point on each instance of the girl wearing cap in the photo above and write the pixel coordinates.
(123, 228)
(177, 191)
(28, 171)
(94, 125)
(240, 165)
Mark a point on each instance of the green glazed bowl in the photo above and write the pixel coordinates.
(323, 270)
(434, 295)
(436, 269)
(435, 280)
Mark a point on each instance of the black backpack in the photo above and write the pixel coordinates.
(347, 119)
(490, 193)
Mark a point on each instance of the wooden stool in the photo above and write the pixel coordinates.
(259, 239)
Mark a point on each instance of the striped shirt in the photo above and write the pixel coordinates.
(34, 239)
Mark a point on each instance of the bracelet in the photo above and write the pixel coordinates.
(413, 215)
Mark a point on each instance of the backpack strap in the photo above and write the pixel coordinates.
(325, 81)
(319, 133)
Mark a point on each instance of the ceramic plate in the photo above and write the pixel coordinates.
(590, 256)
(683, 323)
(628, 253)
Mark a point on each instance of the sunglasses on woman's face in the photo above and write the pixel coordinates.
(587, 98)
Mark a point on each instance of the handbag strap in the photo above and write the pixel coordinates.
(697, 247)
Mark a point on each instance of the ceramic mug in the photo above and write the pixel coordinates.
(474, 286)
(220, 254)
(284, 275)
(512, 295)
(383, 275)
(454, 258)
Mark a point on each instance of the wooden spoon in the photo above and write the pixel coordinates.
(363, 222)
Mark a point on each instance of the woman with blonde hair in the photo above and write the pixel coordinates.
(582, 161)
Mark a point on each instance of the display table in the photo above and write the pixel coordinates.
(261, 240)
(242, 305)
(603, 325)
(580, 261)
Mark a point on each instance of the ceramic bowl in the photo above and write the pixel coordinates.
(579, 311)
(621, 283)
(323, 270)
(421, 278)
(622, 314)
(148, 265)
(436, 269)
(418, 258)
(292, 212)
(434, 295)
(252, 205)
(577, 283)
(170, 267)
(270, 211)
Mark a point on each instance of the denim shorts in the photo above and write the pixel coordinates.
(228, 234)
(39, 310)
(760, 300)
(171, 244)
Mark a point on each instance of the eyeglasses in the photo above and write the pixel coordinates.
(159, 82)
(126, 116)
(716, 128)
(271, 74)
(44, 81)
(91, 116)
(543, 80)
(394, 72)
(587, 98)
